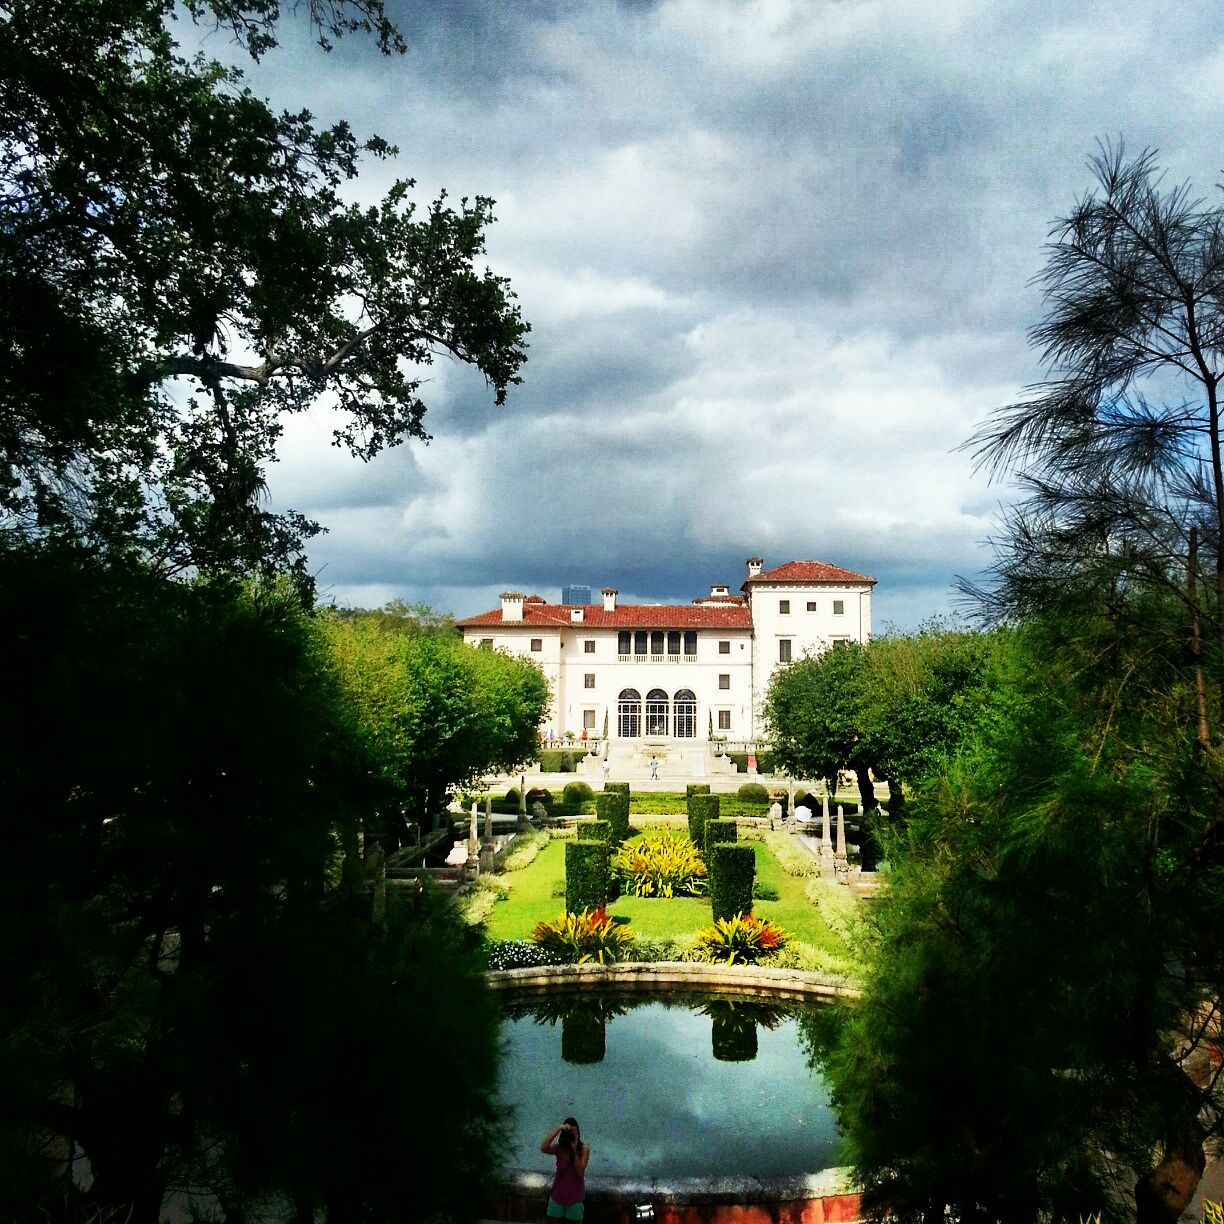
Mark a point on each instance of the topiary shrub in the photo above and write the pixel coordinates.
(539, 794)
(753, 792)
(613, 806)
(732, 871)
(550, 760)
(619, 788)
(512, 795)
(597, 830)
(700, 809)
(697, 788)
(576, 793)
(720, 831)
(587, 876)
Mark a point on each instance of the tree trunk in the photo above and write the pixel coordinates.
(1165, 1192)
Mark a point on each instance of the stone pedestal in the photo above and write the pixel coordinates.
(841, 863)
(486, 842)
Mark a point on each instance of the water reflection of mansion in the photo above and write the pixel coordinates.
(675, 673)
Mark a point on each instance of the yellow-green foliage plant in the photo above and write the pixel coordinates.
(661, 865)
(744, 939)
(588, 936)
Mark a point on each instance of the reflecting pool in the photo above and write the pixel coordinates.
(669, 1086)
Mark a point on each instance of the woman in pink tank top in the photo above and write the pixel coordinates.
(569, 1182)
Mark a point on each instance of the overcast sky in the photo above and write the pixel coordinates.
(776, 259)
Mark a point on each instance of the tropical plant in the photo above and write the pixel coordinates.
(744, 939)
(588, 936)
(661, 865)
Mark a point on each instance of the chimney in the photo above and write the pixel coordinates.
(609, 595)
(754, 566)
(512, 605)
(576, 616)
(717, 589)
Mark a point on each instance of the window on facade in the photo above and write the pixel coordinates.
(657, 709)
(724, 681)
(839, 607)
(624, 642)
(656, 641)
(639, 641)
(537, 643)
(724, 720)
(588, 720)
(629, 714)
(588, 680)
(784, 606)
(690, 641)
(811, 607)
(784, 650)
(486, 643)
(673, 641)
(684, 714)
(724, 647)
(588, 646)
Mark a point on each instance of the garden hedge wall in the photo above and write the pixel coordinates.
(700, 809)
(766, 762)
(588, 875)
(613, 806)
(596, 830)
(617, 788)
(557, 760)
(721, 830)
(697, 788)
(732, 870)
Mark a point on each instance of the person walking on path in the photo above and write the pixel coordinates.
(654, 766)
(565, 1199)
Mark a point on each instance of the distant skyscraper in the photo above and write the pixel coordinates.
(576, 595)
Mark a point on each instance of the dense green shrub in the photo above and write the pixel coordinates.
(743, 938)
(512, 796)
(587, 875)
(766, 762)
(577, 792)
(732, 871)
(661, 865)
(580, 937)
(539, 794)
(697, 788)
(764, 892)
(556, 760)
(613, 806)
(700, 809)
(753, 792)
(720, 831)
(620, 788)
(597, 830)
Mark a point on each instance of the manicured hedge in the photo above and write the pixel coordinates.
(766, 762)
(596, 830)
(613, 806)
(700, 809)
(750, 792)
(720, 831)
(697, 788)
(577, 792)
(618, 788)
(587, 875)
(732, 869)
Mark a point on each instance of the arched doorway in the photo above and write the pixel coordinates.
(684, 714)
(629, 714)
(658, 710)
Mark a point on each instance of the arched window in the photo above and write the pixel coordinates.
(629, 714)
(684, 714)
(657, 709)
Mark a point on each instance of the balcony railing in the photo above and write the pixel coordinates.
(656, 658)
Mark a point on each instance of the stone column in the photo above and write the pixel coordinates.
(472, 866)
(486, 842)
(826, 845)
(841, 864)
(522, 816)
(790, 809)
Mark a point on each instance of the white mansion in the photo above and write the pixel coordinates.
(661, 672)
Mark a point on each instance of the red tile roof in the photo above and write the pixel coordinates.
(804, 572)
(631, 616)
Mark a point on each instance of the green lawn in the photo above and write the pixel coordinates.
(532, 900)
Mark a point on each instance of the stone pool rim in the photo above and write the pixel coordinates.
(828, 1192)
(749, 979)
